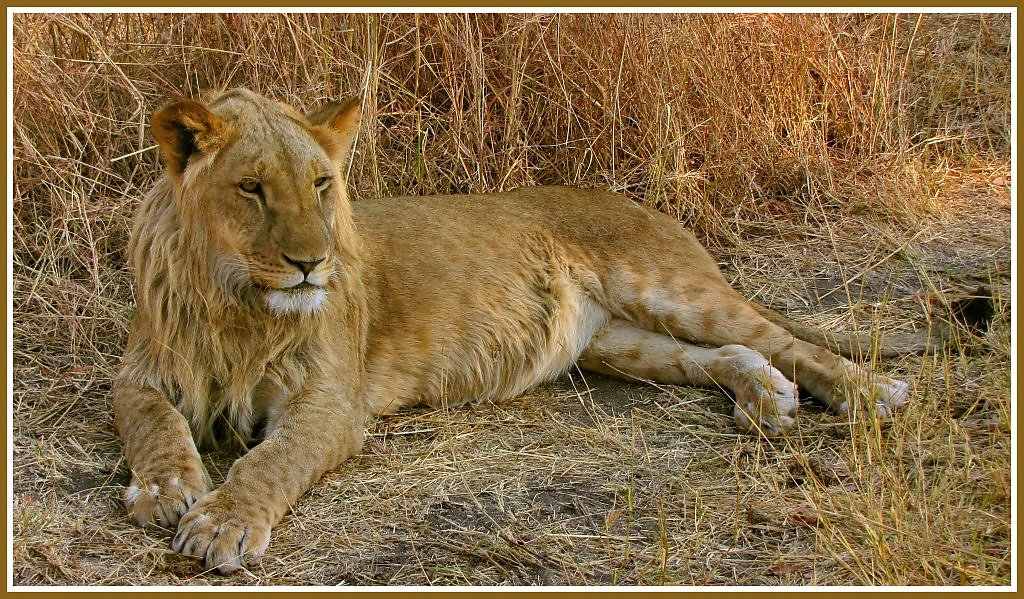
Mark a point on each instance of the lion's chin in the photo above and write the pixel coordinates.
(305, 301)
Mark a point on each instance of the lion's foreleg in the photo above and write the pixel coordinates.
(168, 476)
(231, 525)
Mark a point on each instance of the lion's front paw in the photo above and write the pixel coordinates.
(767, 402)
(162, 499)
(222, 532)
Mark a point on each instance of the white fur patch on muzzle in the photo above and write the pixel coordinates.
(303, 301)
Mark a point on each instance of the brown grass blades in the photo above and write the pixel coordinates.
(837, 164)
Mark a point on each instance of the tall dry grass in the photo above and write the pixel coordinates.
(855, 140)
(709, 116)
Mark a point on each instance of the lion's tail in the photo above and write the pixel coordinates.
(974, 311)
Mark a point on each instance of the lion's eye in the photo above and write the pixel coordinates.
(322, 182)
(250, 186)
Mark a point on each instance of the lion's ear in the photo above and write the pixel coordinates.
(341, 118)
(183, 128)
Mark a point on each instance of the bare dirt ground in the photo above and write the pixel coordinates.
(594, 481)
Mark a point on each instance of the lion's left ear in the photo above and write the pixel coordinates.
(342, 119)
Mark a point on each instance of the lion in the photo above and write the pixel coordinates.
(276, 315)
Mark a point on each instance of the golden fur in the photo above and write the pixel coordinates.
(271, 310)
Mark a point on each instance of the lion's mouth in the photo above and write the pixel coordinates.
(303, 286)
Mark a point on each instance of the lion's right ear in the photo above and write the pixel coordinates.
(184, 128)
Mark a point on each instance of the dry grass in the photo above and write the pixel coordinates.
(837, 164)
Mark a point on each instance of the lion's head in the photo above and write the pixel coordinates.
(260, 188)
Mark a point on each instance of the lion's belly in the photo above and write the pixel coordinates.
(487, 353)
(568, 335)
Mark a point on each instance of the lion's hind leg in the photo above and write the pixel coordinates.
(704, 309)
(766, 401)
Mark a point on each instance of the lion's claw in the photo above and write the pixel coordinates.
(219, 533)
(165, 500)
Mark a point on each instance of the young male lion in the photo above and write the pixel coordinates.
(270, 307)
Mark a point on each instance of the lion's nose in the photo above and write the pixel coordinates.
(306, 266)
